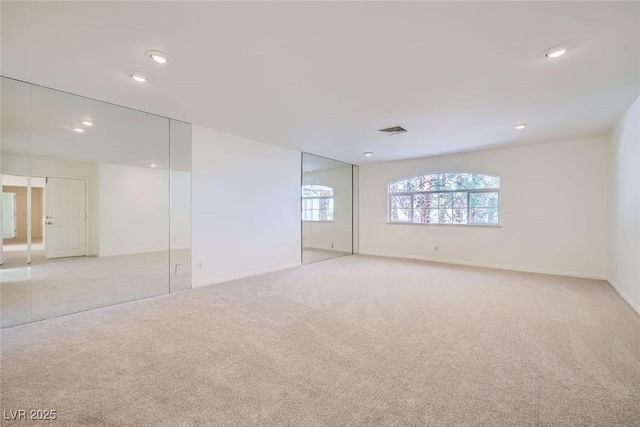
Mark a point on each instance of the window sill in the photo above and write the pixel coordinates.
(310, 220)
(446, 225)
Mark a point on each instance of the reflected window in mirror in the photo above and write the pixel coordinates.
(317, 203)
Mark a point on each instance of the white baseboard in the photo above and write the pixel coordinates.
(494, 266)
(243, 275)
(624, 295)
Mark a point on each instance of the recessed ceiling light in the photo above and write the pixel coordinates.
(521, 126)
(87, 123)
(368, 153)
(79, 130)
(157, 56)
(556, 51)
(139, 78)
(153, 165)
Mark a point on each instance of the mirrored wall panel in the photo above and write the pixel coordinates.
(327, 208)
(180, 202)
(95, 204)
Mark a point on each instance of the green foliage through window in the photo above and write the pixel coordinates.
(445, 198)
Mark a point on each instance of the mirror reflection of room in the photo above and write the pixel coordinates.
(327, 209)
(14, 219)
(86, 204)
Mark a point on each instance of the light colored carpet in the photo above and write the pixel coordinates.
(311, 255)
(351, 341)
(69, 285)
(15, 252)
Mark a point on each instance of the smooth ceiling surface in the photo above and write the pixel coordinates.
(322, 77)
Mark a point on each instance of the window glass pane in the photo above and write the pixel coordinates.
(403, 186)
(425, 201)
(324, 209)
(445, 216)
(421, 215)
(433, 216)
(487, 181)
(484, 200)
(445, 200)
(484, 216)
(426, 183)
(460, 200)
(330, 203)
(400, 215)
(452, 181)
(459, 215)
(400, 202)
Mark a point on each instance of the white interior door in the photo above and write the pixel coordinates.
(8, 215)
(65, 217)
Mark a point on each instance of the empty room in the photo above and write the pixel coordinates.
(282, 213)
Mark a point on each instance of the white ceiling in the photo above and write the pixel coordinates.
(320, 76)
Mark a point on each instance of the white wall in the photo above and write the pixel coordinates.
(554, 210)
(624, 206)
(245, 209)
(321, 235)
(134, 209)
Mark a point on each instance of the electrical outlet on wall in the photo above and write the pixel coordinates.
(199, 266)
(333, 245)
(179, 268)
(435, 248)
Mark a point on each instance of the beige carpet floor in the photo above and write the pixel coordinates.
(69, 285)
(311, 255)
(352, 341)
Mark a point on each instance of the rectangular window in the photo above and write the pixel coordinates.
(445, 198)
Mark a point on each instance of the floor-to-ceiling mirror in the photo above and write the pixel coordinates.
(100, 197)
(328, 220)
(180, 203)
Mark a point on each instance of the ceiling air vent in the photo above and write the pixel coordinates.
(395, 130)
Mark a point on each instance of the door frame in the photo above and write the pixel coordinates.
(87, 234)
(87, 217)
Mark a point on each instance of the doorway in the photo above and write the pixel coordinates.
(56, 227)
(8, 215)
(17, 223)
(65, 221)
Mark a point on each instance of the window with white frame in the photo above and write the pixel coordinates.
(445, 198)
(317, 203)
